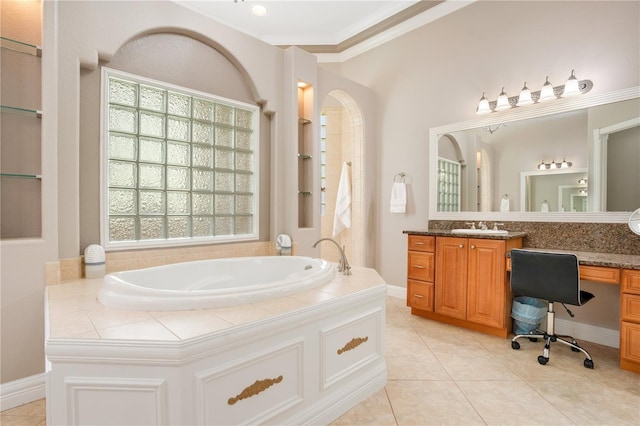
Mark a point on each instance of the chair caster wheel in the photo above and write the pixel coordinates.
(533, 339)
(588, 363)
(542, 360)
(515, 345)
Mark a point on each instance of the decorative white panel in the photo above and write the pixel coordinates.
(251, 389)
(113, 401)
(349, 345)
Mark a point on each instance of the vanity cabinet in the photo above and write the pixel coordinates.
(420, 272)
(630, 320)
(466, 286)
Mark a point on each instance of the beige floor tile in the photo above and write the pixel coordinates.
(590, 403)
(7, 420)
(375, 410)
(510, 403)
(430, 403)
(35, 408)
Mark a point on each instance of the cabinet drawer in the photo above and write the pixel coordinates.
(630, 307)
(420, 295)
(630, 281)
(420, 266)
(422, 243)
(600, 274)
(630, 342)
(348, 346)
(257, 387)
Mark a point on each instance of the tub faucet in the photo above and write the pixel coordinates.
(343, 265)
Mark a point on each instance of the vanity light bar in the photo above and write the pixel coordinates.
(553, 165)
(527, 97)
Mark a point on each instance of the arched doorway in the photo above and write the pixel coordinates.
(342, 141)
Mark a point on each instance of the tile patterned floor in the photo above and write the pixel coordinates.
(440, 375)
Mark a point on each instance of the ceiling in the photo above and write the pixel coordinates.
(318, 26)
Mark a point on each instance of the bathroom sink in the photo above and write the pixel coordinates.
(480, 231)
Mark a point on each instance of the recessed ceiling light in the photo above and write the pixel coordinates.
(259, 10)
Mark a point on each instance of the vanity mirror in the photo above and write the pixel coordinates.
(581, 155)
(634, 221)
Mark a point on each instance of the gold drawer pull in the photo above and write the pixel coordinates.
(354, 343)
(254, 389)
(419, 266)
(418, 243)
(418, 296)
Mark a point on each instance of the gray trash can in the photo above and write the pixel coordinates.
(527, 314)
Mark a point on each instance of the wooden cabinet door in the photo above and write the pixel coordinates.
(486, 289)
(451, 276)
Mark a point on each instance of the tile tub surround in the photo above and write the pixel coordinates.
(583, 237)
(73, 268)
(75, 313)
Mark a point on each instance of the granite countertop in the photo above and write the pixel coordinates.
(609, 260)
(447, 233)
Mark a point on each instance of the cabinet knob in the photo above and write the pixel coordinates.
(461, 245)
(472, 247)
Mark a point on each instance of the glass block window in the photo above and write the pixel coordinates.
(448, 185)
(323, 163)
(180, 166)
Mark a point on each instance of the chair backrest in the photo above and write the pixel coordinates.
(554, 277)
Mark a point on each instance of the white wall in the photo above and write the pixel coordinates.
(436, 74)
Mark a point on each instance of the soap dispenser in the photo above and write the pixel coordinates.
(283, 245)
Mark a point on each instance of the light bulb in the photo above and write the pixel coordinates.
(553, 165)
(503, 101)
(483, 105)
(542, 166)
(546, 93)
(565, 164)
(571, 87)
(525, 96)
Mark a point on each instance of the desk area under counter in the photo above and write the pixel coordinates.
(449, 277)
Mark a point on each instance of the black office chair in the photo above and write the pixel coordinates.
(553, 277)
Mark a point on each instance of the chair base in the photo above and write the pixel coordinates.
(548, 338)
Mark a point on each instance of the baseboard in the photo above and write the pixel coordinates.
(22, 391)
(590, 333)
(397, 292)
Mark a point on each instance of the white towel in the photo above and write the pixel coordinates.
(398, 202)
(504, 205)
(342, 216)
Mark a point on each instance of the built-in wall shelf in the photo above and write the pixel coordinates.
(20, 46)
(305, 166)
(20, 176)
(20, 139)
(22, 111)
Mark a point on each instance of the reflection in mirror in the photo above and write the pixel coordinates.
(634, 221)
(562, 190)
(502, 152)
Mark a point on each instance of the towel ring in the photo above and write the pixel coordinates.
(401, 175)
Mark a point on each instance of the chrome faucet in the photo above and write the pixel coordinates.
(483, 226)
(343, 265)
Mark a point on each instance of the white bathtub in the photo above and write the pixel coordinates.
(213, 283)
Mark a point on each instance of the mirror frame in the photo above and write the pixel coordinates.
(516, 114)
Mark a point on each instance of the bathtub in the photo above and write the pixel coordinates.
(213, 283)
